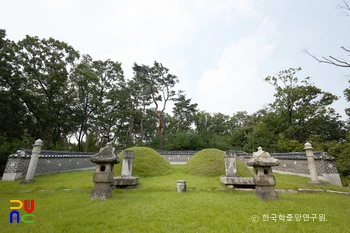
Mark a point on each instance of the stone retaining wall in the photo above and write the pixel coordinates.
(58, 161)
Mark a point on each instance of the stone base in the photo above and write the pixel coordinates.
(237, 182)
(266, 193)
(125, 182)
(11, 176)
(316, 182)
(27, 181)
(332, 178)
(101, 193)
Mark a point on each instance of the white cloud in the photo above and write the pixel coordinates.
(152, 22)
(145, 30)
(229, 8)
(236, 85)
(57, 3)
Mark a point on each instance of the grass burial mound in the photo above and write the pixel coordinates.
(210, 162)
(147, 163)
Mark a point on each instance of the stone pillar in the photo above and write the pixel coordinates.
(263, 177)
(103, 176)
(126, 180)
(33, 162)
(181, 186)
(230, 163)
(312, 166)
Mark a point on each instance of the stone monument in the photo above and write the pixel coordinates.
(263, 177)
(126, 180)
(231, 180)
(103, 176)
(33, 162)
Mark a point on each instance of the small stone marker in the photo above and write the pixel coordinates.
(33, 162)
(181, 186)
(103, 176)
(263, 177)
(312, 166)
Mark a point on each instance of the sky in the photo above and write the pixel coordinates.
(221, 50)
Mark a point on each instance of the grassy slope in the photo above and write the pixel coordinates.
(155, 206)
(210, 162)
(147, 163)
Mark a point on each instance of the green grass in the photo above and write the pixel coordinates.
(62, 204)
(147, 163)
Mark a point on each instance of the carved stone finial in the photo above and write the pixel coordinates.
(308, 146)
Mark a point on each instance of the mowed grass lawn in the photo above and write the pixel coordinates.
(62, 204)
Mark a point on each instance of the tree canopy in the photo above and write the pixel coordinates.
(51, 91)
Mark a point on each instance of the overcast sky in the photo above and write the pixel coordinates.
(221, 50)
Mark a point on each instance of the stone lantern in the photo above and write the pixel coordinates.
(103, 176)
(263, 178)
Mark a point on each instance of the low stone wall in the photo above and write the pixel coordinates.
(58, 161)
(296, 163)
(177, 157)
(49, 162)
(182, 157)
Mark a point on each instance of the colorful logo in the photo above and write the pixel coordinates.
(28, 217)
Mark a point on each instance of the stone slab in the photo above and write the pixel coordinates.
(310, 190)
(125, 181)
(237, 181)
(339, 192)
(11, 176)
(332, 178)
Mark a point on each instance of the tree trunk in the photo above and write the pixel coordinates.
(80, 141)
(129, 131)
(141, 132)
(87, 140)
(160, 132)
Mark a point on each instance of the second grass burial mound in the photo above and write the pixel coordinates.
(147, 163)
(210, 162)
